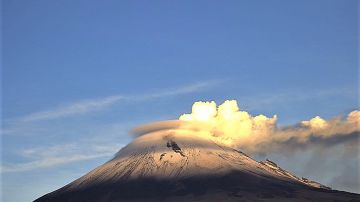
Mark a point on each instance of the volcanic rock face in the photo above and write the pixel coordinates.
(179, 167)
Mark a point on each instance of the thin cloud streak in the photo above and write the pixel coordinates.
(179, 91)
(86, 106)
(49, 162)
(268, 100)
(60, 155)
(74, 108)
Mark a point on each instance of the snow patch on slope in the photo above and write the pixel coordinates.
(167, 155)
(278, 170)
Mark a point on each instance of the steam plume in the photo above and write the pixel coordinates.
(227, 124)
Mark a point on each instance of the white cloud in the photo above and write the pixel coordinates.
(293, 96)
(43, 157)
(195, 87)
(74, 108)
(227, 124)
(85, 106)
(49, 162)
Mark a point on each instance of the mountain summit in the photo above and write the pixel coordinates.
(166, 166)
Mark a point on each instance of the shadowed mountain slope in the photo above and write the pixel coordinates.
(165, 166)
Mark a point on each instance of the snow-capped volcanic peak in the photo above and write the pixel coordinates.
(167, 155)
(179, 155)
(192, 160)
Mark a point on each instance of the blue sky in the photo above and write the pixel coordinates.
(78, 75)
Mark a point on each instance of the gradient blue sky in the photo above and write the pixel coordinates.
(78, 75)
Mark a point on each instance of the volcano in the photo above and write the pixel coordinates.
(166, 166)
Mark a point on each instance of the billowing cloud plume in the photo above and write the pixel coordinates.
(227, 124)
(322, 149)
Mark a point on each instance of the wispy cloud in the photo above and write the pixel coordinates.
(296, 95)
(85, 106)
(51, 156)
(195, 87)
(49, 162)
(74, 108)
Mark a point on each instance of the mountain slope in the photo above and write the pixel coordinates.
(165, 166)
